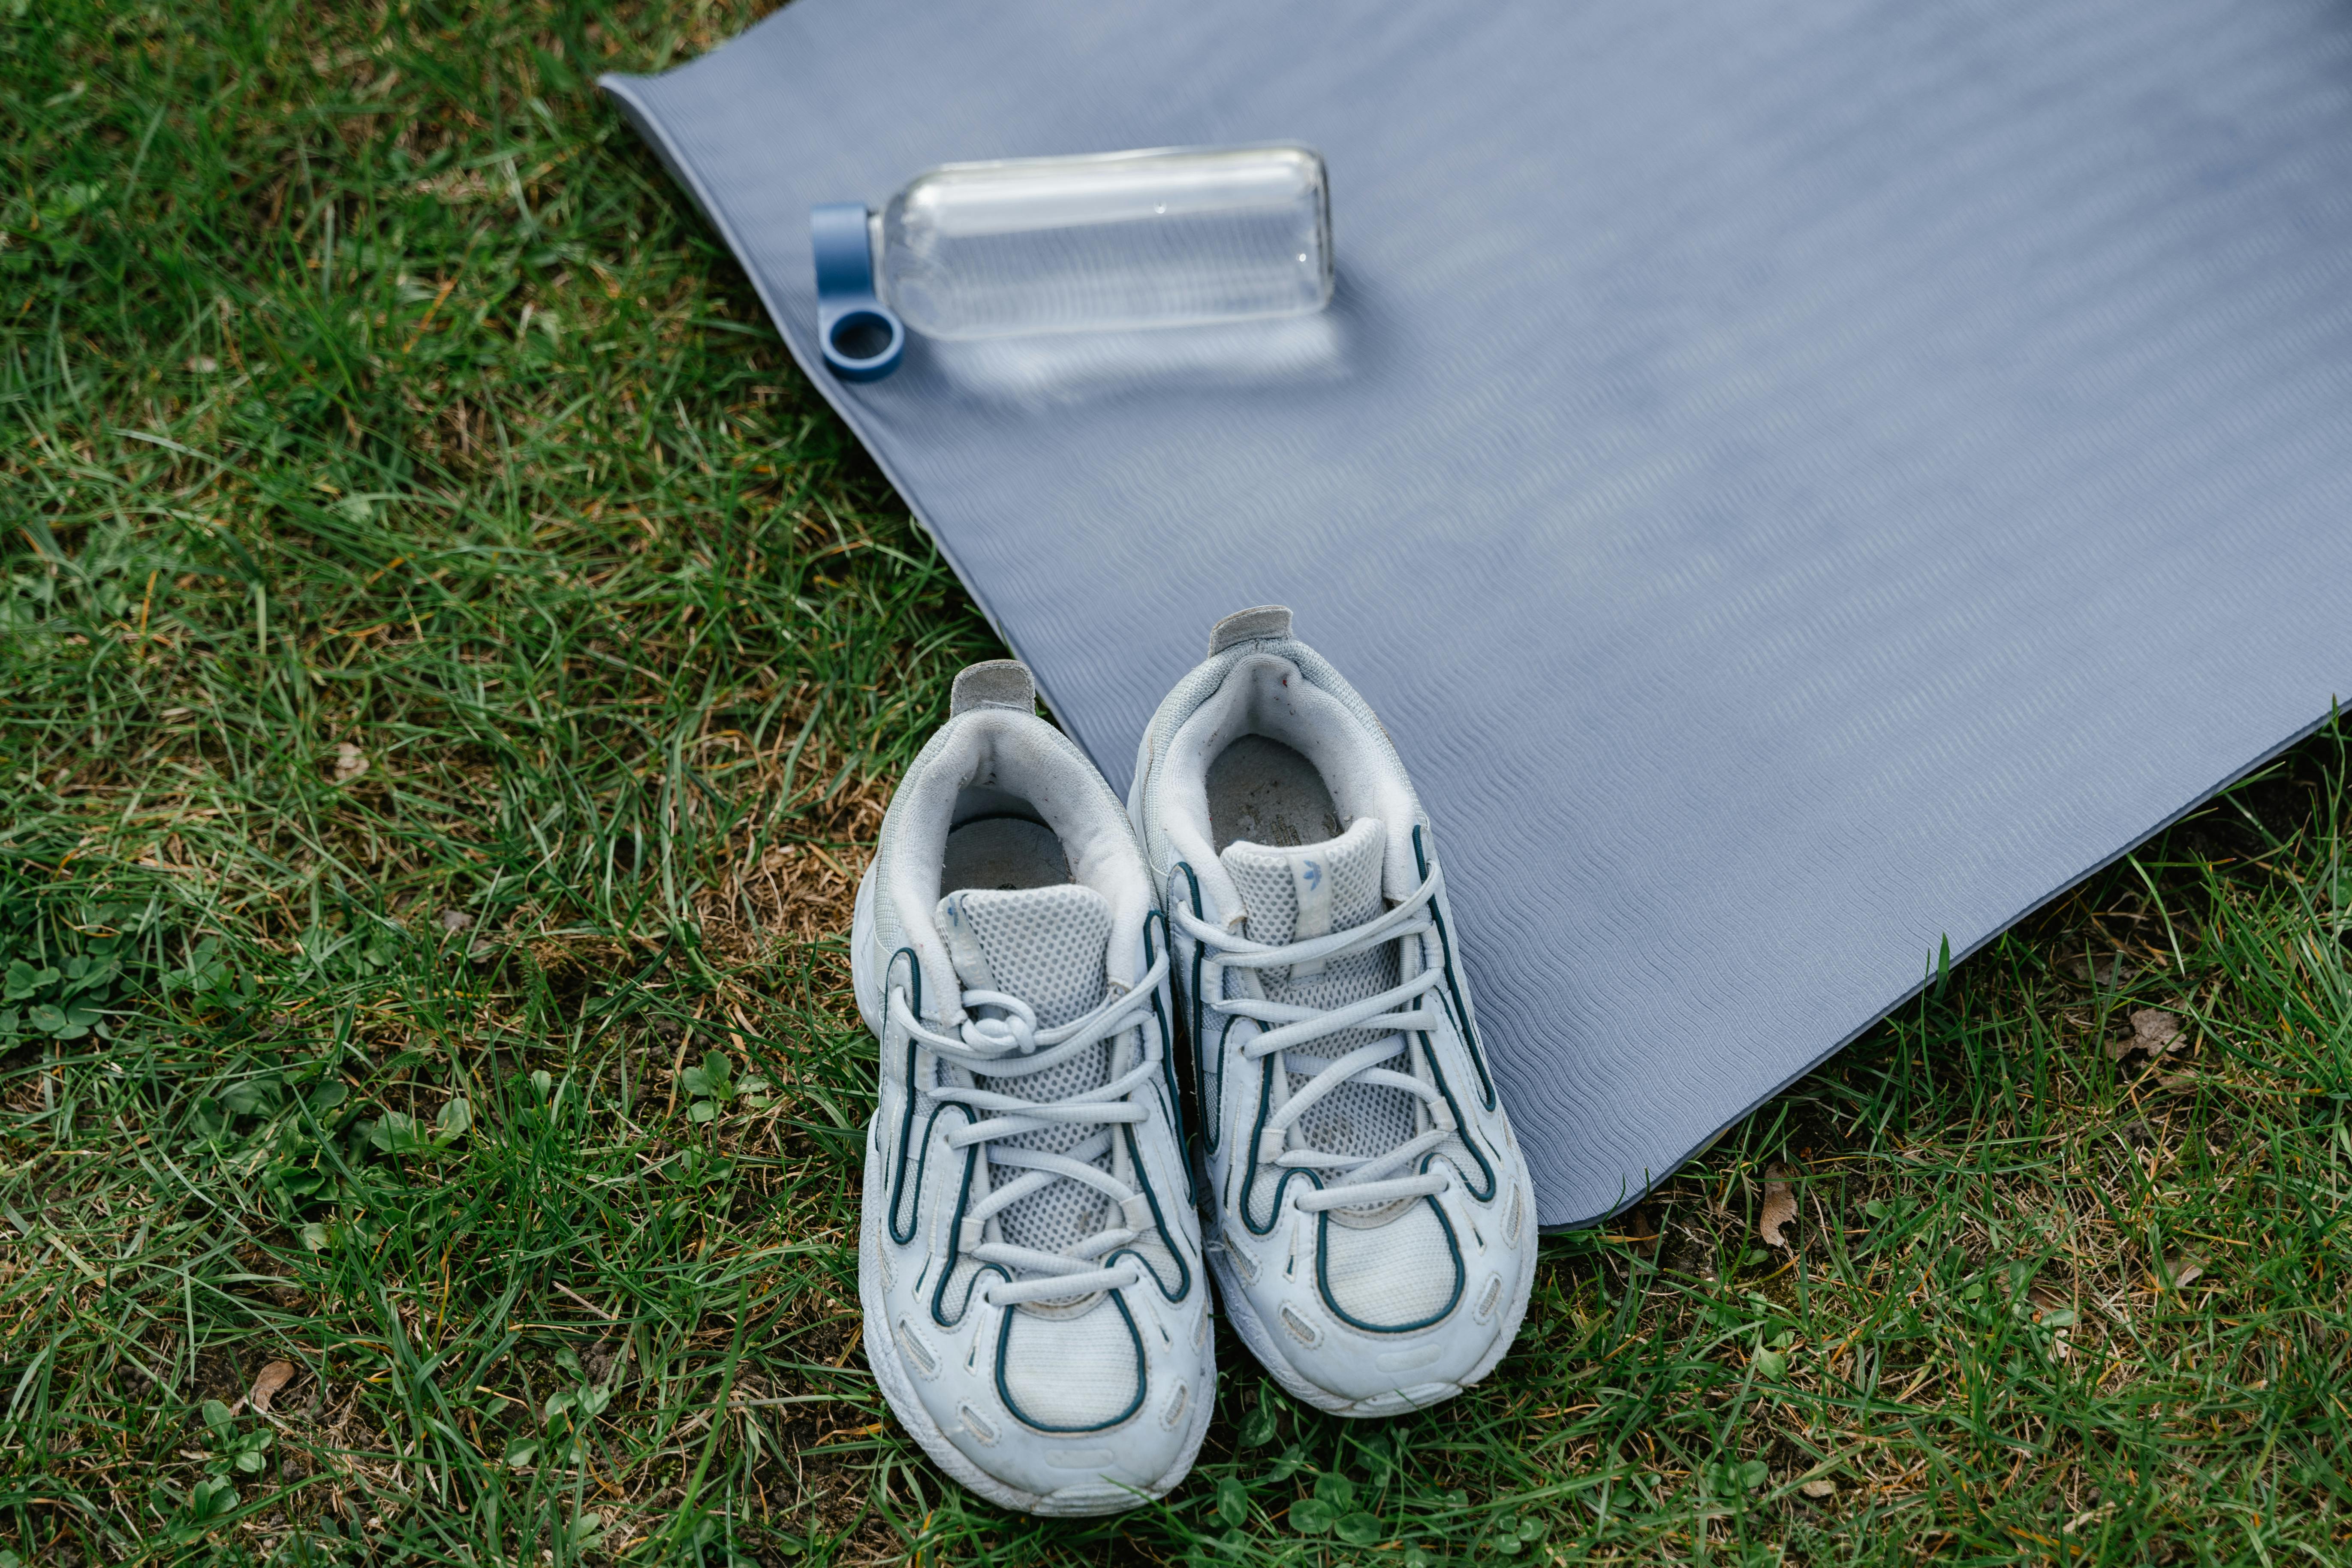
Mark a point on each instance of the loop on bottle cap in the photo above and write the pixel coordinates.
(861, 337)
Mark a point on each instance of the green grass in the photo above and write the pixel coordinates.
(449, 662)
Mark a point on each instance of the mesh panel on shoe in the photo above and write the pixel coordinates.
(1398, 1275)
(1050, 947)
(1070, 1372)
(1358, 1120)
(1045, 945)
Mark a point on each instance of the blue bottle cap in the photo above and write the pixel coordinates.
(861, 336)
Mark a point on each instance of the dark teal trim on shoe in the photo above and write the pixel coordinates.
(1211, 1121)
(1159, 1223)
(955, 1225)
(1264, 1095)
(1323, 1277)
(907, 1125)
(1004, 1345)
(1167, 1059)
(1461, 1123)
(1461, 1007)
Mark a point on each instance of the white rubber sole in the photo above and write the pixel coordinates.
(1404, 1401)
(863, 984)
(882, 1346)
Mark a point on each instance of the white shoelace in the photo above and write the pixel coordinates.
(1008, 1043)
(1348, 1182)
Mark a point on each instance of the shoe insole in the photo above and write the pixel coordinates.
(1003, 853)
(1266, 793)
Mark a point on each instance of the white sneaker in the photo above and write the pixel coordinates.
(1029, 1262)
(1374, 1235)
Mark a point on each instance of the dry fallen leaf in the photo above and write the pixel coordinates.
(2179, 1272)
(268, 1382)
(350, 762)
(2154, 1030)
(1779, 1206)
(456, 919)
(1824, 1487)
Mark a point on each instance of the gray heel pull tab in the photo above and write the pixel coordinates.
(999, 683)
(1249, 626)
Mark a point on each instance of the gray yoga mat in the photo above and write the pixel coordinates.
(1802, 481)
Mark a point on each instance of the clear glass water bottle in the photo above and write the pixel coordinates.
(1108, 243)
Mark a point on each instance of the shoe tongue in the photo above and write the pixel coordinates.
(1291, 895)
(1313, 890)
(1049, 946)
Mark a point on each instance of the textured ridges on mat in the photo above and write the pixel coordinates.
(1801, 483)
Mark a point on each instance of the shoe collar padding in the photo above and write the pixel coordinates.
(1266, 694)
(1021, 755)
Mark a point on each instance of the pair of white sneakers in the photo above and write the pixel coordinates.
(1031, 1261)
